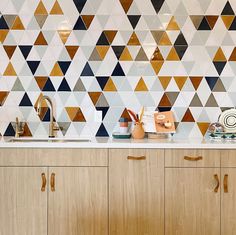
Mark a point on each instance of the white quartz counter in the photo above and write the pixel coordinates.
(130, 143)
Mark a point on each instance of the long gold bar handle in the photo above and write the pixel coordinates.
(44, 182)
(52, 182)
(226, 184)
(193, 159)
(218, 183)
(136, 158)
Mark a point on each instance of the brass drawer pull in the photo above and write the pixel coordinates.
(218, 183)
(44, 182)
(193, 159)
(52, 182)
(226, 184)
(136, 158)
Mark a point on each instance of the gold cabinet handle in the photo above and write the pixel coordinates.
(136, 158)
(218, 183)
(52, 182)
(44, 182)
(226, 184)
(193, 159)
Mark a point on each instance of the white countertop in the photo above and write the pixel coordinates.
(130, 143)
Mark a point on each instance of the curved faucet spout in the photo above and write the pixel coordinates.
(52, 127)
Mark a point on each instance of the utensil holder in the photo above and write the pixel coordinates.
(138, 131)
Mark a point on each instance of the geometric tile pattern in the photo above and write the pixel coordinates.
(111, 55)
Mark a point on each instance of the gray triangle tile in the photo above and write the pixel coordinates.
(17, 86)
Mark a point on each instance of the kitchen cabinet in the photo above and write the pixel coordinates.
(53, 191)
(78, 203)
(136, 191)
(228, 201)
(192, 201)
(23, 202)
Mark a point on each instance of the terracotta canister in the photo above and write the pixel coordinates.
(138, 131)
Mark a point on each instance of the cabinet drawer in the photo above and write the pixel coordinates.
(53, 157)
(228, 158)
(192, 158)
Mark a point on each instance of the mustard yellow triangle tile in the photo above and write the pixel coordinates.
(157, 65)
(219, 56)
(165, 40)
(41, 40)
(233, 55)
(172, 24)
(18, 25)
(126, 4)
(164, 81)
(71, 111)
(133, 41)
(41, 10)
(10, 71)
(180, 81)
(110, 86)
(3, 35)
(126, 56)
(203, 127)
(75, 114)
(56, 9)
(102, 51)
(87, 19)
(173, 56)
(64, 34)
(110, 35)
(56, 71)
(228, 20)
(141, 86)
(157, 55)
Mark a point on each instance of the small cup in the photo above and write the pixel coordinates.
(123, 125)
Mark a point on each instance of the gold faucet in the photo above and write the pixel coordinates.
(19, 128)
(52, 127)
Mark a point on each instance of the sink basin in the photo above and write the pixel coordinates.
(48, 140)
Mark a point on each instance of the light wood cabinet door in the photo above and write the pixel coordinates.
(192, 207)
(136, 192)
(23, 206)
(228, 201)
(79, 204)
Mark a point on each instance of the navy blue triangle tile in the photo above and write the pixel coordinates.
(64, 65)
(233, 25)
(163, 109)
(102, 81)
(157, 4)
(3, 23)
(79, 4)
(211, 81)
(134, 19)
(25, 50)
(103, 40)
(25, 101)
(64, 86)
(227, 9)
(180, 50)
(46, 117)
(102, 132)
(48, 86)
(180, 41)
(118, 50)
(9, 131)
(219, 66)
(118, 71)
(33, 65)
(204, 25)
(79, 25)
(87, 71)
(104, 111)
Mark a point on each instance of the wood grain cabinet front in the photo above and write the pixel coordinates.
(136, 192)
